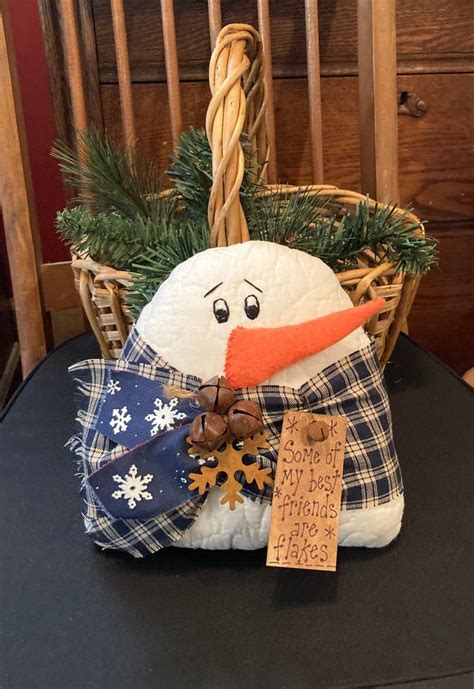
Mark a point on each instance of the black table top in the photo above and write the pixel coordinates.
(74, 617)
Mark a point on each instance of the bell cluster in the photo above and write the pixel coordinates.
(224, 416)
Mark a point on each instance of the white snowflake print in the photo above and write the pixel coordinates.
(113, 387)
(164, 416)
(132, 487)
(120, 419)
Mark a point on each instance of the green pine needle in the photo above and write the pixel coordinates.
(108, 177)
(302, 220)
(184, 239)
(112, 238)
(191, 171)
(291, 219)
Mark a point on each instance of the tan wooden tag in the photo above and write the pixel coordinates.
(307, 492)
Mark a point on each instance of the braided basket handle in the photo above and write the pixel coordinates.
(238, 103)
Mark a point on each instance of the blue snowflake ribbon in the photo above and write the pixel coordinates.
(148, 480)
(136, 409)
(151, 477)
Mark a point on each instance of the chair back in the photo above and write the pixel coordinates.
(70, 45)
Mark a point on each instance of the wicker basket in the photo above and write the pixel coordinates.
(238, 103)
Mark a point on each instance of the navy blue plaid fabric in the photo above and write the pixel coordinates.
(351, 387)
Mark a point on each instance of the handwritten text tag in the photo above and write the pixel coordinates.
(307, 492)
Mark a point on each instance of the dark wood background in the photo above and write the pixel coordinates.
(435, 61)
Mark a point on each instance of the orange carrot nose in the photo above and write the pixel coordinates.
(253, 355)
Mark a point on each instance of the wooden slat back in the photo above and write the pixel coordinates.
(73, 61)
(314, 89)
(264, 28)
(172, 71)
(215, 20)
(90, 67)
(377, 87)
(123, 71)
(378, 109)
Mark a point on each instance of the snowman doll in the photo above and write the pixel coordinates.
(275, 329)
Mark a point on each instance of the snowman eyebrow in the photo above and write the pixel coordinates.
(212, 290)
(252, 285)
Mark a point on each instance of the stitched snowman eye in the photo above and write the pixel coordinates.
(251, 306)
(221, 310)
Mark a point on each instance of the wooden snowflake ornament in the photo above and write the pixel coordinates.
(230, 461)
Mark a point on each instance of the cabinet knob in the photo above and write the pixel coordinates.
(411, 104)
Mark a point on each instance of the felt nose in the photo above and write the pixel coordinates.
(254, 355)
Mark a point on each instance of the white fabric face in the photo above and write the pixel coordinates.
(290, 287)
(287, 286)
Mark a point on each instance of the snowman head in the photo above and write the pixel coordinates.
(193, 320)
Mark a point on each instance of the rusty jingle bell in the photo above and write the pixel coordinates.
(245, 419)
(317, 431)
(216, 395)
(208, 431)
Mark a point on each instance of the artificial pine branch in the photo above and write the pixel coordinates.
(191, 171)
(110, 178)
(113, 239)
(182, 240)
(108, 237)
(290, 219)
(301, 220)
(136, 229)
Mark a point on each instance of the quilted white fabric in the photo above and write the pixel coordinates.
(291, 287)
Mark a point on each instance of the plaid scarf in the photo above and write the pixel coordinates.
(351, 387)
